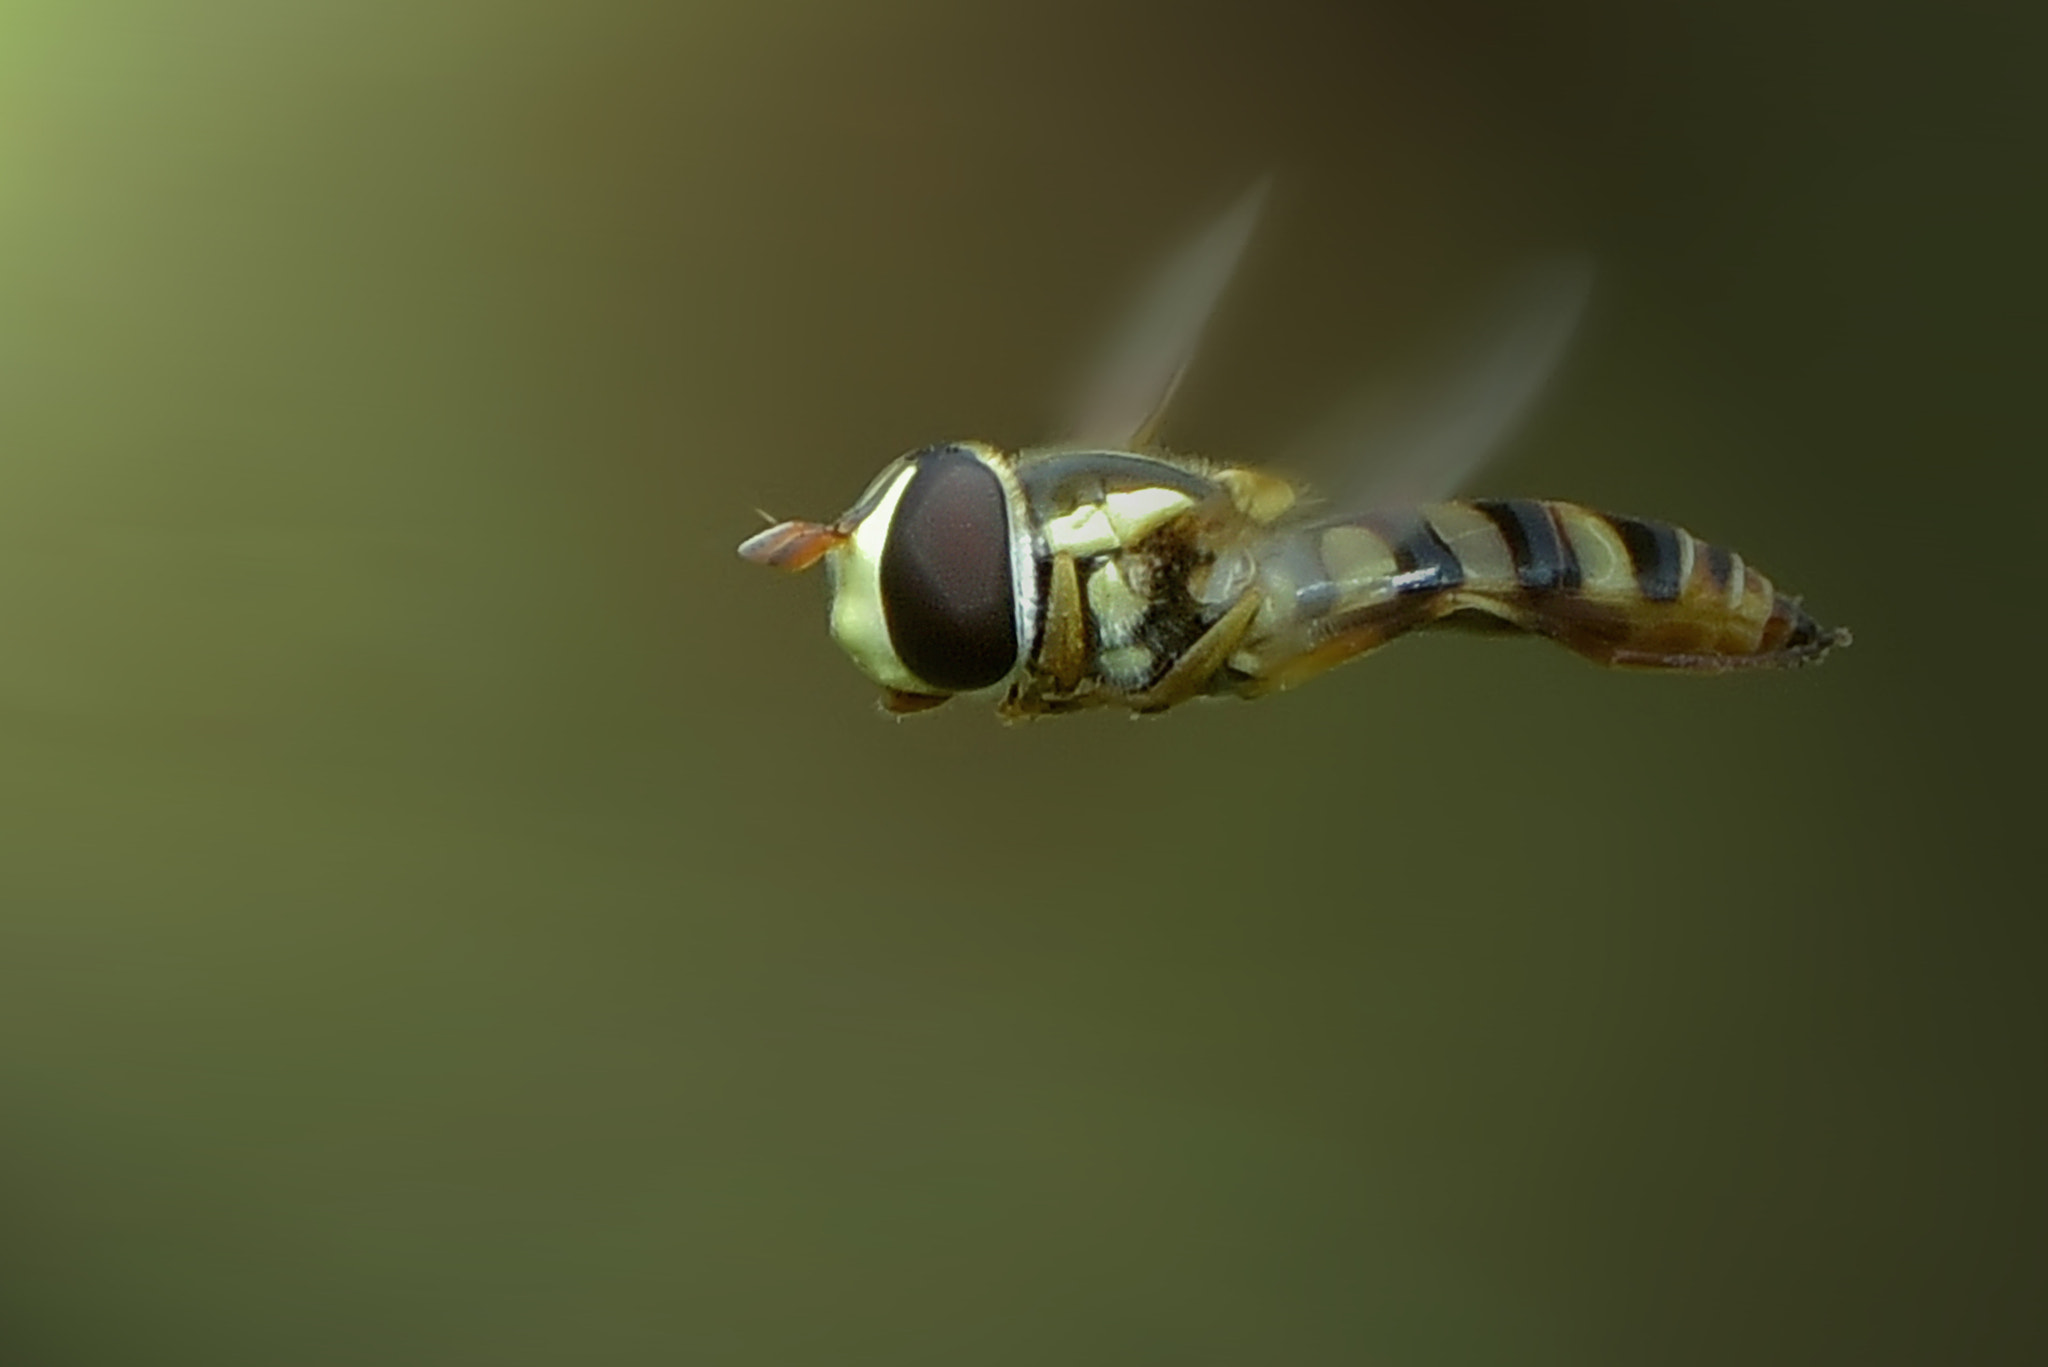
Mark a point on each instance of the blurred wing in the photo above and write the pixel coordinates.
(1130, 386)
(1425, 445)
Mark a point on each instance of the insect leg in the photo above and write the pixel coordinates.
(1189, 675)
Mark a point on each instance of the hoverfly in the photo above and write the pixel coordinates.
(1102, 571)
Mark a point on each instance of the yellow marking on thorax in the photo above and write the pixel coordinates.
(1481, 550)
(1118, 607)
(1605, 570)
(1258, 495)
(1136, 512)
(1084, 532)
(1120, 519)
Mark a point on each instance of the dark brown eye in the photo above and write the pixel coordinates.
(945, 574)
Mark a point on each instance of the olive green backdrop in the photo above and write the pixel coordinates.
(453, 911)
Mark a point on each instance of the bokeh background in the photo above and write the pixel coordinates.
(453, 911)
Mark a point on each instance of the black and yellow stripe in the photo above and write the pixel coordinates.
(1543, 559)
(1620, 590)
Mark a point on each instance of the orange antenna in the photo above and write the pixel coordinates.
(792, 546)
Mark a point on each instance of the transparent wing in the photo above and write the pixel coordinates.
(1424, 442)
(1129, 387)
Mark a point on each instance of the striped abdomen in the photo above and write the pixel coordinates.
(1615, 589)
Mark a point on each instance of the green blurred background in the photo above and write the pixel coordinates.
(454, 911)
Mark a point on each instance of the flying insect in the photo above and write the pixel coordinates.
(1104, 571)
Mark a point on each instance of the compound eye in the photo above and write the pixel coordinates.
(945, 574)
